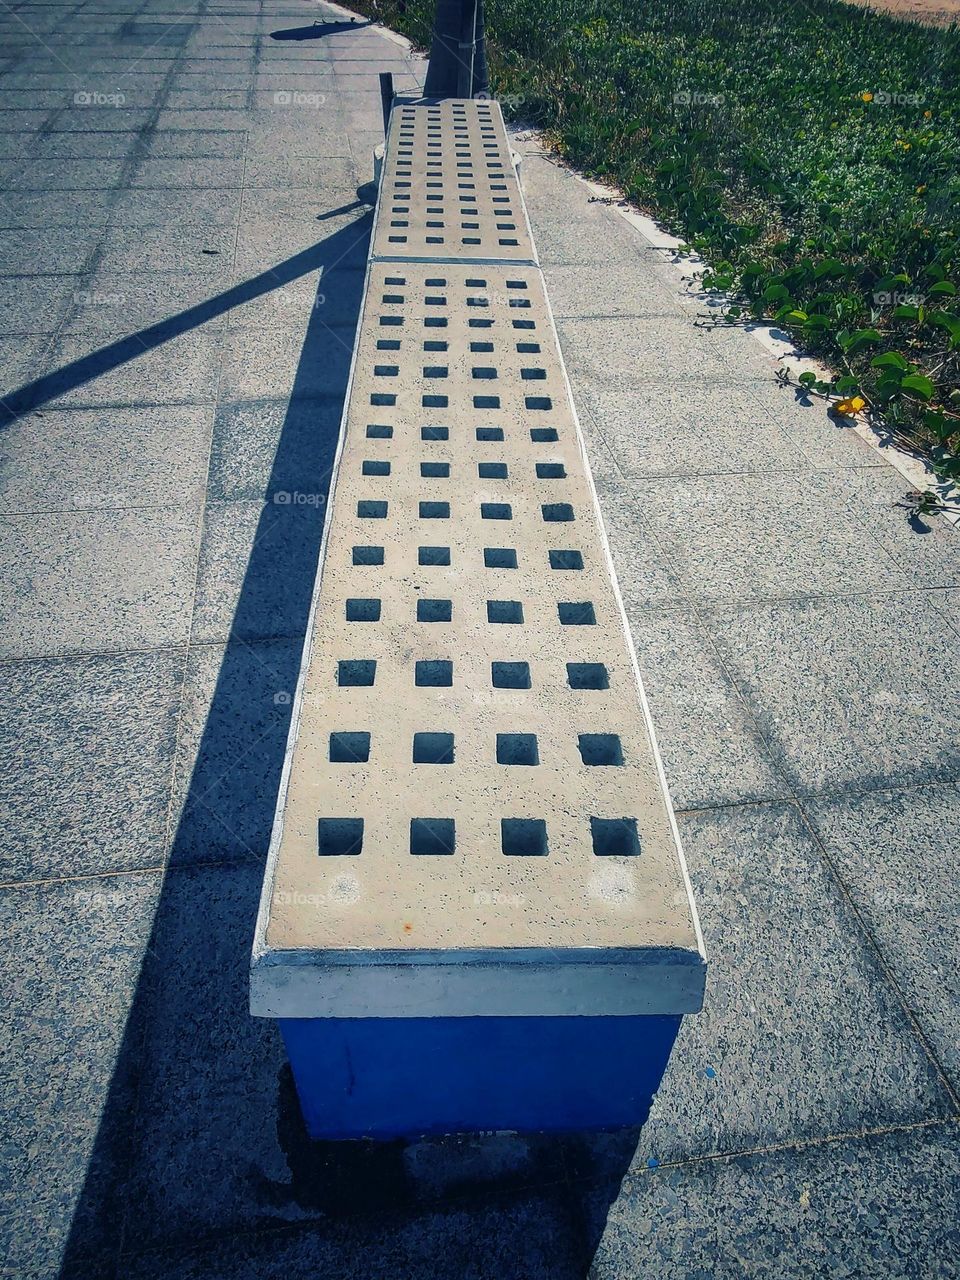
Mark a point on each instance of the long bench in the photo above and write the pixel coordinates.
(476, 913)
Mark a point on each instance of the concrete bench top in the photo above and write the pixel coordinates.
(473, 817)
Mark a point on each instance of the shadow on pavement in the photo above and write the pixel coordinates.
(317, 30)
(202, 1165)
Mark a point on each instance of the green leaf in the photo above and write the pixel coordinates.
(890, 360)
(817, 321)
(775, 293)
(942, 289)
(906, 313)
(862, 338)
(807, 379)
(918, 384)
(845, 384)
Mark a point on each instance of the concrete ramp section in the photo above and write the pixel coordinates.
(473, 820)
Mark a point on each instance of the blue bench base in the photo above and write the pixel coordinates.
(388, 1078)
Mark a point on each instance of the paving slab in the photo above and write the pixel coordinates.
(70, 966)
(96, 580)
(825, 1046)
(665, 426)
(852, 693)
(712, 750)
(883, 1207)
(91, 742)
(154, 456)
(894, 852)
(742, 537)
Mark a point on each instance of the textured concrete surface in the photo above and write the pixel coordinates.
(809, 1126)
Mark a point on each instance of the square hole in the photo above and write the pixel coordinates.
(434, 433)
(510, 675)
(575, 613)
(600, 748)
(434, 673)
(434, 510)
(499, 557)
(544, 435)
(433, 555)
(504, 611)
(356, 672)
(587, 675)
(538, 402)
(481, 346)
(376, 431)
(372, 467)
(551, 471)
(523, 837)
(349, 748)
(370, 509)
(566, 560)
(340, 837)
(496, 511)
(486, 402)
(434, 610)
(434, 402)
(492, 470)
(363, 610)
(435, 345)
(432, 836)
(615, 837)
(440, 469)
(368, 555)
(557, 512)
(489, 433)
(517, 748)
(433, 748)
(484, 371)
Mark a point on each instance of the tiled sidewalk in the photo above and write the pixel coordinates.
(181, 277)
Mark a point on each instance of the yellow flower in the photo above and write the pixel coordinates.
(852, 405)
(921, 189)
(867, 97)
(927, 115)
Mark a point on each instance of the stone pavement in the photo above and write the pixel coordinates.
(183, 227)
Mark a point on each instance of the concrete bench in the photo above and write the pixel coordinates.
(475, 913)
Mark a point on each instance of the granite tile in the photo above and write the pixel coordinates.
(70, 966)
(262, 448)
(753, 537)
(881, 1206)
(672, 428)
(233, 735)
(89, 581)
(69, 460)
(257, 566)
(895, 852)
(712, 752)
(89, 746)
(850, 694)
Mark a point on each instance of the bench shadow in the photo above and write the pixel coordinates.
(202, 1164)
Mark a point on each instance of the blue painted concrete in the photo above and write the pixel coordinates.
(410, 1077)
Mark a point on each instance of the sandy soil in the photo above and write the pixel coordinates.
(937, 12)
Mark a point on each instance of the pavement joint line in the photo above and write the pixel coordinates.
(797, 1145)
